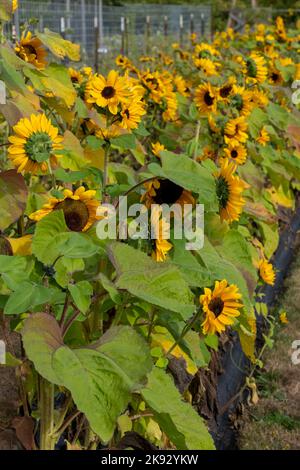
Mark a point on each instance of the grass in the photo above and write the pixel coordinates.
(274, 422)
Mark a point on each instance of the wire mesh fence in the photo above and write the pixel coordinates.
(111, 30)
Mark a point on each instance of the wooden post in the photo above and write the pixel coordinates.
(165, 26)
(127, 36)
(192, 26)
(181, 30)
(202, 19)
(62, 27)
(148, 33)
(96, 32)
(83, 24)
(122, 35)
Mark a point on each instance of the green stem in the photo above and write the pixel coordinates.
(47, 440)
(105, 172)
(187, 327)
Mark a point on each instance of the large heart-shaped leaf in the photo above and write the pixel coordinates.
(13, 196)
(161, 284)
(177, 419)
(101, 378)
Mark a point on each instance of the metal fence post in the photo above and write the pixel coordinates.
(96, 28)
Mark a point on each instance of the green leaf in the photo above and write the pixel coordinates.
(52, 240)
(27, 296)
(13, 196)
(195, 274)
(81, 294)
(14, 270)
(278, 115)
(160, 284)
(111, 289)
(101, 378)
(192, 176)
(179, 421)
(125, 141)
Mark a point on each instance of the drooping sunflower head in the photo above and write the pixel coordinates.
(229, 190)
(31, 49)
(157, 147)
(236, 130)
(256, 68)
(34, 145)
(107, 92)
(164, 191)
(263, 137)
(266, 272)
(161, 229)
(206, 66)
(79, 208)
(205, 51)
(220, 306)
(206, 98)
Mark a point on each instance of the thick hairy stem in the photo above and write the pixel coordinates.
(47, 439)
(105, 173)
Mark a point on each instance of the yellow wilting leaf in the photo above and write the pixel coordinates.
(73, 154)
(5, 10)
(153, 431)
(73, 446)
(21, 246)
(247, 339)
(282, 198)
(58, 46)
(252, 385)
(95, 157)
(165, 340)
(124, 424)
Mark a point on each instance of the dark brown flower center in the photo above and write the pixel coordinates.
(5, 247)
(225, 91)
(76, 214)
(168, 192)
(234, 153)
(126, 112)
(108, 92)
(30, 50)
(208, 99)
(275, 77)
(216, 306)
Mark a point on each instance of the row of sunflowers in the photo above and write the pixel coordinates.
(104, 321)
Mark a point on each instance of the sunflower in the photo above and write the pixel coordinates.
(157, 147)
(229, 192)
(131, 115)
(181, 85)
(31, 50)
(15, 5)
(236, 152)
(207, 66)
(263, 137)
(221, 306)
(283, 318)
(164, 191)
(226, 90)
(235, 130)
(35, 144)
(108, 92)
(241, 99)
(266, 272)
(123, 61)
(206, 98)
(79, 207)
(256, 68)
(275, 77)
(205, 51)
(75, 75)
(161, 230)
